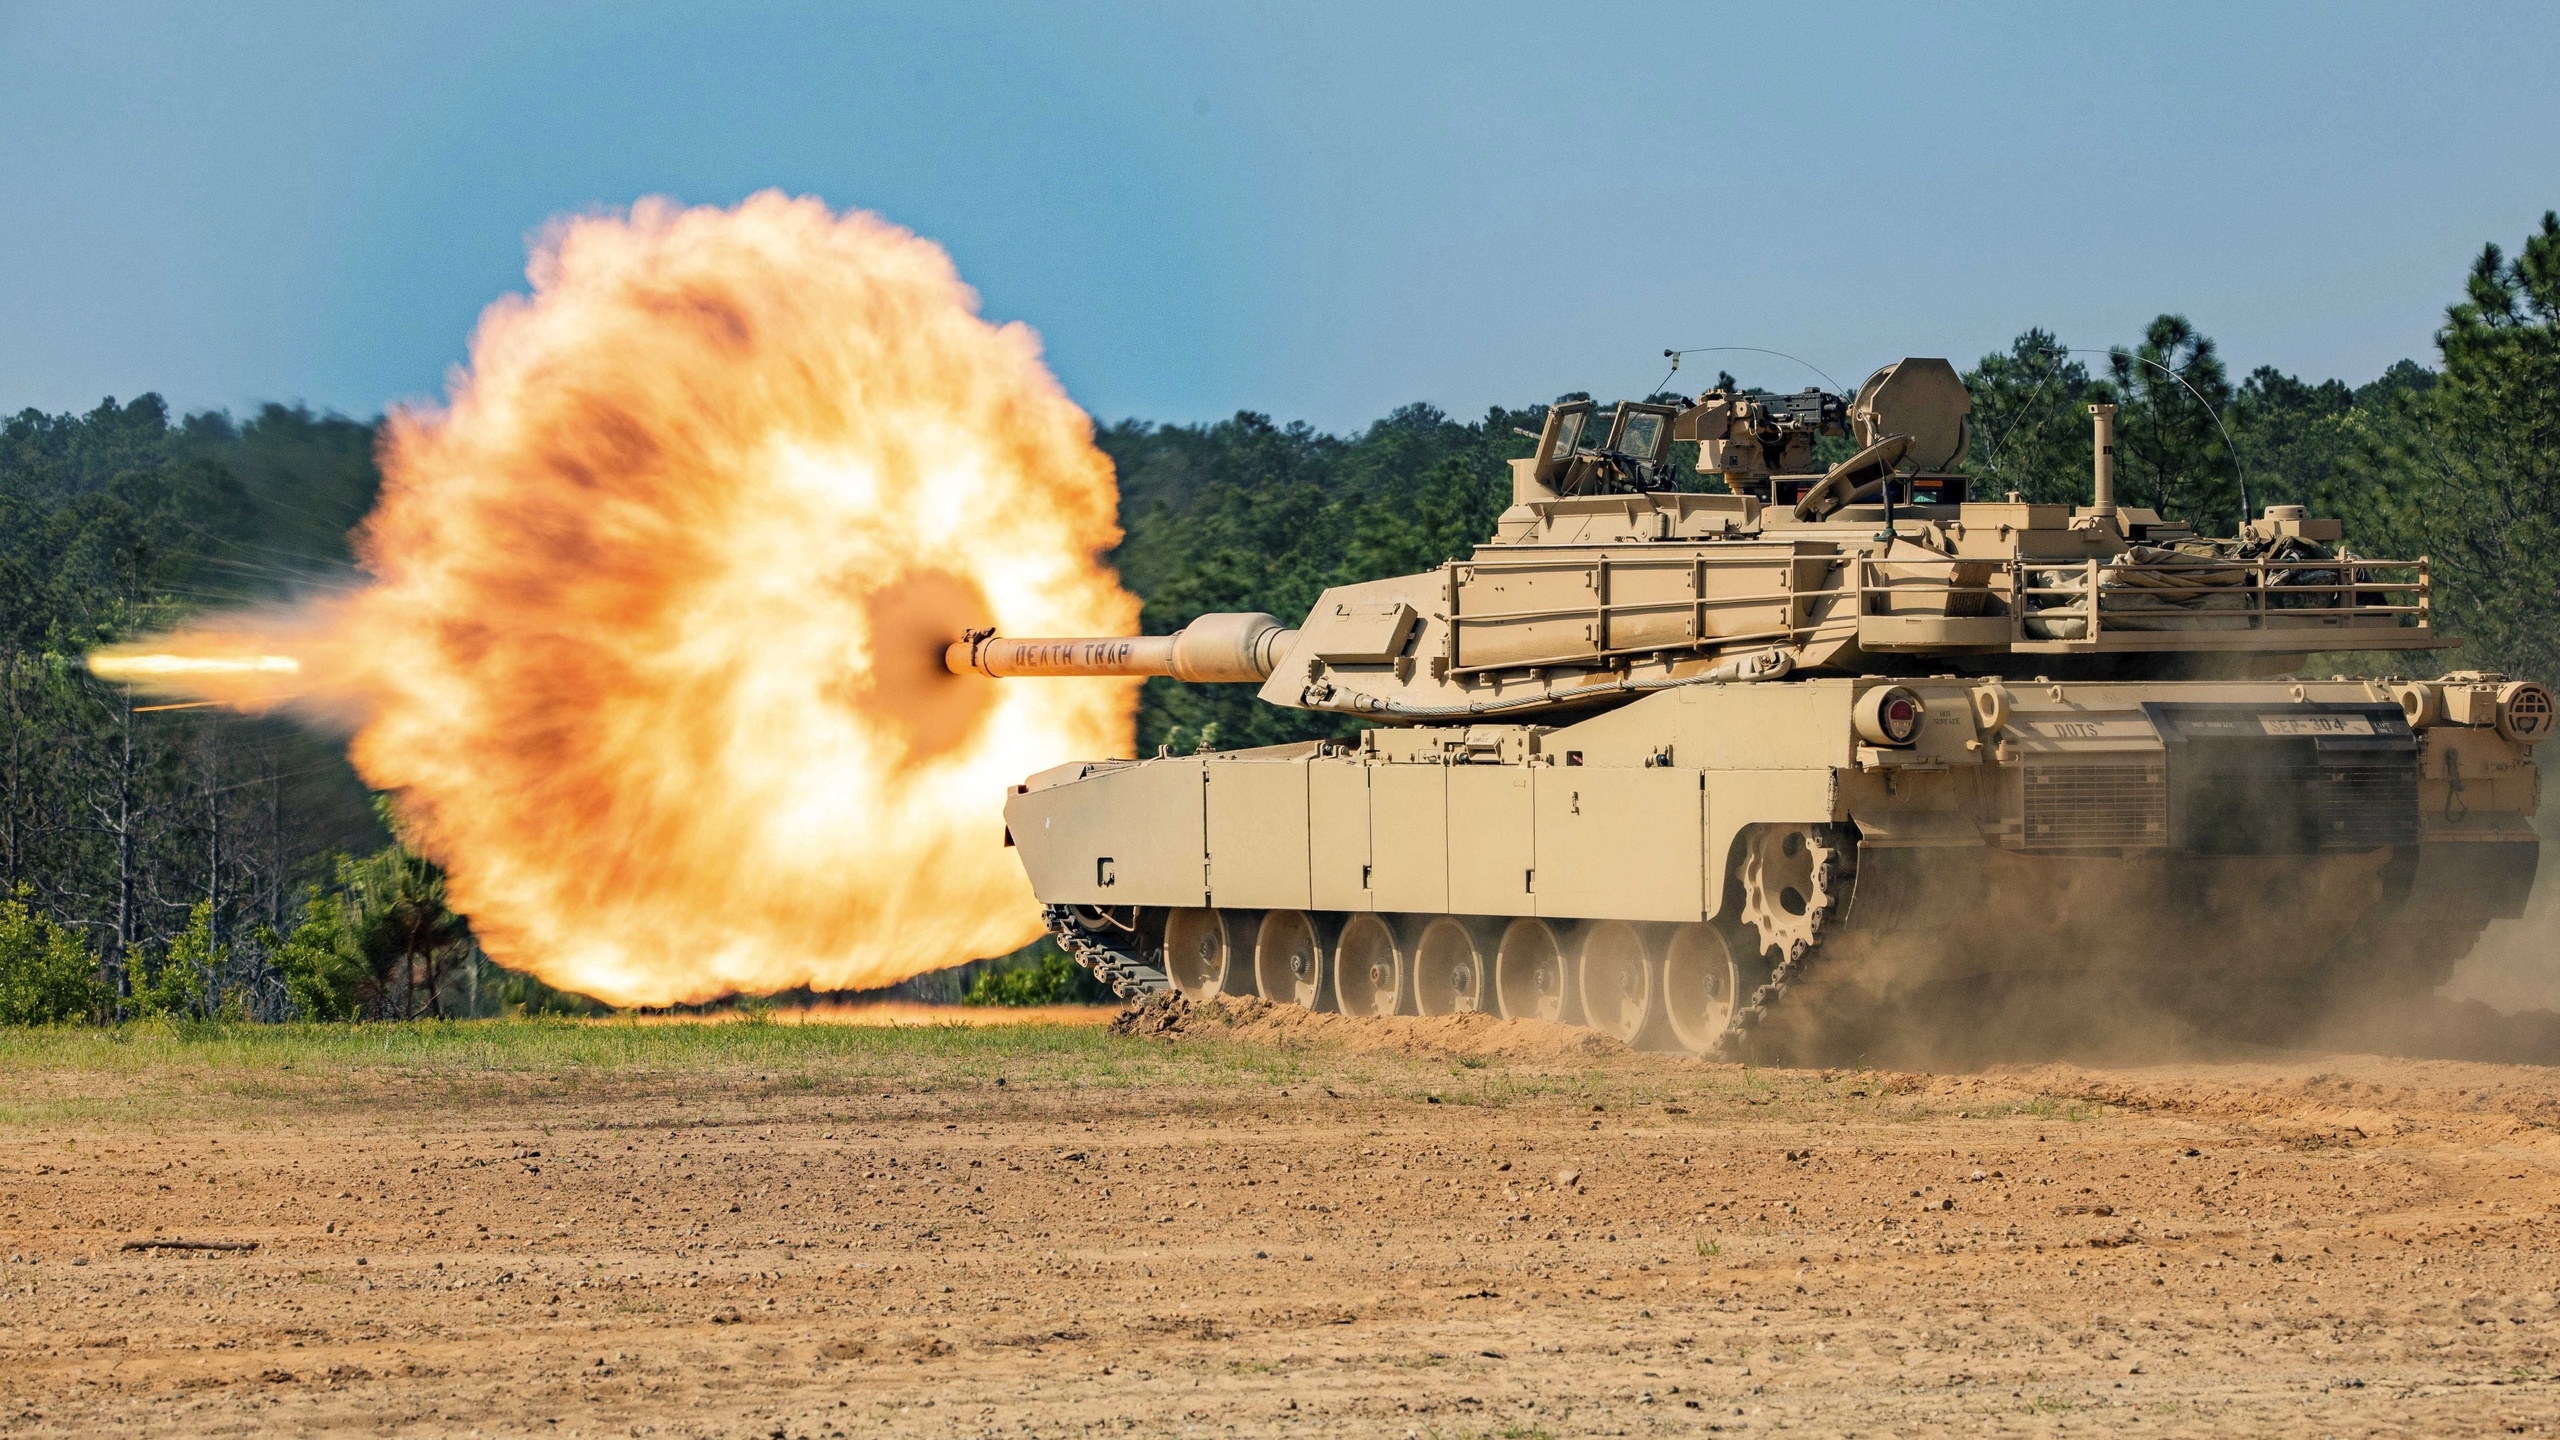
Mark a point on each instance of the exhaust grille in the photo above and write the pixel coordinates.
(2095, 807)
(2370, 804)
(2300, 805)
(2293, 779)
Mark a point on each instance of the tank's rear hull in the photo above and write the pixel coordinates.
(2194, 841)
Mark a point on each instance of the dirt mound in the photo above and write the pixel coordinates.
(1163, 1013)
(1252, 1018)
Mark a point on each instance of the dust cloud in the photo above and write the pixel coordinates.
(2516, 966)
(2225, 959)
(648, 651)
(2502, 1001)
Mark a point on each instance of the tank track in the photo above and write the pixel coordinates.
(1748, 1018)
(1111, 950)
(1100, 950)
(1115, 955)
(1834, 871)
(1829, 963)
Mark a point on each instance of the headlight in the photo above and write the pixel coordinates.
(1890, 716)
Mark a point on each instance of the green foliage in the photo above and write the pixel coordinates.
(2294, 435)
(1041, 975)
(397, 915)
(117, 521)
(2031, 421)
(2467, 470)
(47, 977)
(522, 994)
(176, 983)
(106, 515)
(2171, 454)
(1051, 982)
(303, 481)
(322, 962)
(2031, 428)
(379, 941)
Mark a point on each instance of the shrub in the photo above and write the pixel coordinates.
(323, 967)
(177, 983)
(47, 977)
(1043, 977)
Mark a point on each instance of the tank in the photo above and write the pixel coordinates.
(1683, 766)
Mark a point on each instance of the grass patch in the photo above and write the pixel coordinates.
(200, 1071)
(153, 1075)
(158, 1074)
(2070, 1112)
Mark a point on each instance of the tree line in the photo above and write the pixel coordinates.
(2458, 461)
(181, 860)
(193, 862)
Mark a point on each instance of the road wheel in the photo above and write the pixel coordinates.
(1200, 956)
(1291, 956)
(1528, 972)
(1449, 967)
(1368, 967)
(1615, 975)
(1700, 980)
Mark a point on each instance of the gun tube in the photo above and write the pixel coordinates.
(1228, 648)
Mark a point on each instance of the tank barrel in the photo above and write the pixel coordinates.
(1229, 648)
(990, 655)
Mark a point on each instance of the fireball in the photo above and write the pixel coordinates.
(649, 652)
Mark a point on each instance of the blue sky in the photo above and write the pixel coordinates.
(1320, 212)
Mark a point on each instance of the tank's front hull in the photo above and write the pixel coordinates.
(2190, 843)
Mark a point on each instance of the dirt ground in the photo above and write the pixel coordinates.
(1266, 1223)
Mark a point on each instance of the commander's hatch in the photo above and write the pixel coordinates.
(1560, 440)
(1634, 457)
(1642, 432)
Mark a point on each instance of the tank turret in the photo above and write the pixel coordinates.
(1701, 768)
(1602, 582)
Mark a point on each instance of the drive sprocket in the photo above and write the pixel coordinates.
(1790, 878)
(1795, 882)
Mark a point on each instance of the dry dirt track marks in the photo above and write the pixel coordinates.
(1218, 1234)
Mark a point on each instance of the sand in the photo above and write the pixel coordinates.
(1266, 1222)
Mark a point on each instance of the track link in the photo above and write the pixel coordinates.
(1110, 950)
